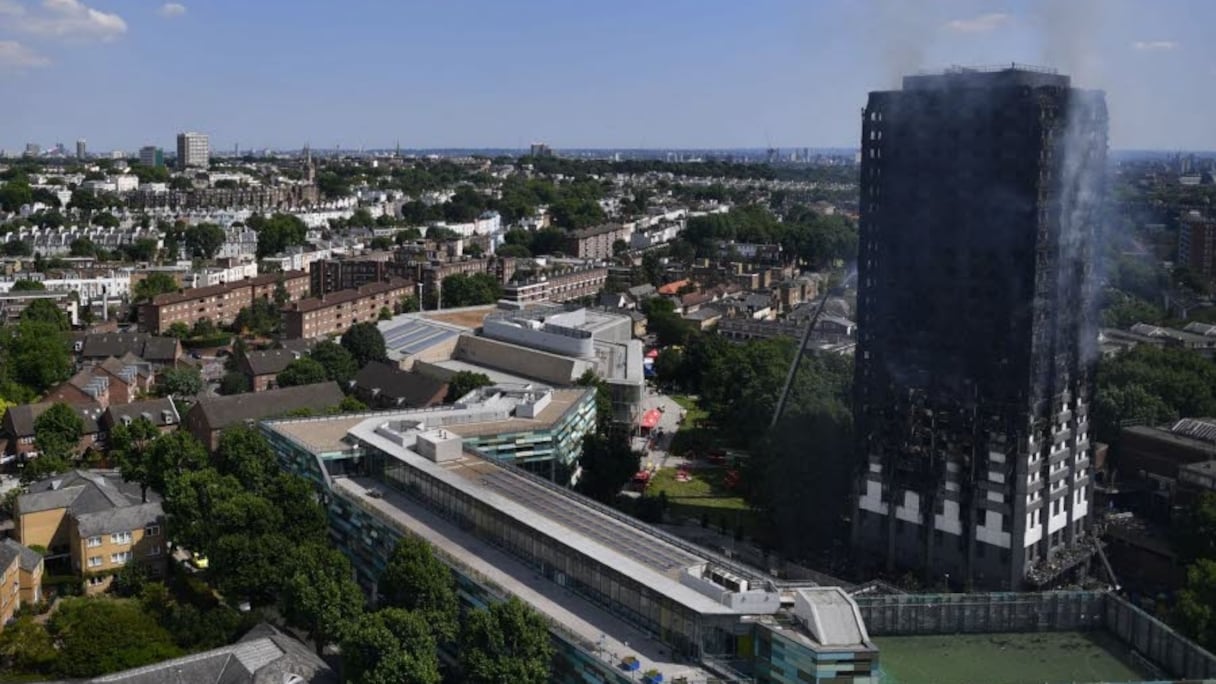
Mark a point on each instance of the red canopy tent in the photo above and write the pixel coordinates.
(651, 419)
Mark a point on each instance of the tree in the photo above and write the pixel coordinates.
(36, 355)
(619, 247)
(204, 240)
(46, 311)
(339, 364)
(234, 382)
(14, 194)
(83, 247)
(278, 233)
(155, 283)
(607, 464)
(179, 330)
(302, 371)
(106, 220)
(130, 446)
(169, 456)
(350, 404)
(261, 317)
(179, 382)
(1196, 531)
(508, 642)
(57, 432)
(463, 382)
(97, 635)
(26, 285)
(17, 248)
(415, 580)
(407, 305)
(473, 289)
(321, 597)
(390, 646)
(1196, 608)
(365, 343)
(25, 646)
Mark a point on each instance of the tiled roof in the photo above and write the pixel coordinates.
(221, 412)
(406, 388)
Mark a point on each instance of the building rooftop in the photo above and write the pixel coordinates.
(343, 296)
(1001, 76)
(583, 622)
(410, 334)
(263, 656)
(329, 435)
(100, 500)
(222, 412)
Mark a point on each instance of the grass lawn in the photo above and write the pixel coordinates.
(1042, 658)
(695, 435)
(703, 495)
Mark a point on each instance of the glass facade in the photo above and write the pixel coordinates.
(551, 453)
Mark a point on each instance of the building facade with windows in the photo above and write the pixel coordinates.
(92, 523)
(980, 197)
(332, 314)
(193, 150)
(614, 590)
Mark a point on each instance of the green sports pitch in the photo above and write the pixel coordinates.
(1030, 658)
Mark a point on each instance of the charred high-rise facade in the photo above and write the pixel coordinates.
(980, 197)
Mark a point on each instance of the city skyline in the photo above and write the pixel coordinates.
(679, 75)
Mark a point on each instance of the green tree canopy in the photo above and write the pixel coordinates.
(1196, 608)
(234, 382)
(277, 233)
(26, 285)
(321, 596)
(155, 283)
(508, 642)
(302, 371)
(607, 463)
(95, 636)
(130, 445)
(365, 343)
(390, 646)
(46, 311)
(26, 646)
(415, 580)
(463, 382)
(261, 317)
(57, 432)
(472, 289)
(179, 382)
(339, 364)
(204, 240)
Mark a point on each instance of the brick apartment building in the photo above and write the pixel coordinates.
(94, 522)
(558, 287)
(333, 275)
(218, 303)
(595, 242)
(332, 314)
(1197, 245)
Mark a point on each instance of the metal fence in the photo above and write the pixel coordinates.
(1064, 611)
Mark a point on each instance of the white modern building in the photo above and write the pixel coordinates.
(193, 150)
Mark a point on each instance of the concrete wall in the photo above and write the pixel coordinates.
(510, 358)
(540, 337)
(911, 614)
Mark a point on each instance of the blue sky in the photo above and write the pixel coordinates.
(573, 73)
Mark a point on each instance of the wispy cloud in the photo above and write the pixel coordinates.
(16, 57)
(171, 9)
(981, 24)
(1155, 45)
(62, 19)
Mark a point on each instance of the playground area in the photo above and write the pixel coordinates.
(1023, 658)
